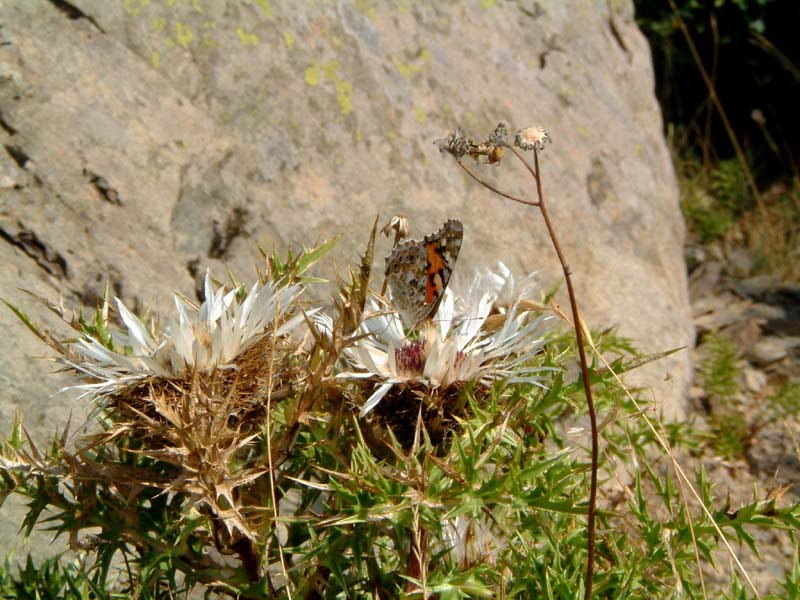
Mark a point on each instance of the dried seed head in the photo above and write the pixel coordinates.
(455, 143)
(498, 134)
(532, 138)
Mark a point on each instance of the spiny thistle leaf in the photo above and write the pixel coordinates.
(292, 269)
(642, 359)
(353, 296)
(360, 287)
(309, 257)
(40, 333)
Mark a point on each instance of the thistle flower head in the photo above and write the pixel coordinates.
(452, 349)
(200, 338)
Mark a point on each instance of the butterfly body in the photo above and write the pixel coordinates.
(418, 271)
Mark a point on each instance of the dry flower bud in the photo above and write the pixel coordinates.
(398, 224)
(498, 134)
(455, 143)
(532, 138)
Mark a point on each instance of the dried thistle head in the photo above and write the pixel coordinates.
(493, 145)
(532, 138)
(191, 397)
(201, 338)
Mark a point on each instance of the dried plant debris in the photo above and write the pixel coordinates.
(491, 149)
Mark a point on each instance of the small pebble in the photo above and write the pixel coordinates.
(754, 379)
(768, 350)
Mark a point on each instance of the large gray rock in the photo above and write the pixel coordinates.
(145, 141)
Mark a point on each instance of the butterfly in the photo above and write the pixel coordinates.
(417, 271)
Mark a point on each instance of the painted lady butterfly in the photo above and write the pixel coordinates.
(418, 271)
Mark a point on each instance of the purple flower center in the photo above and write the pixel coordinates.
(411, 357)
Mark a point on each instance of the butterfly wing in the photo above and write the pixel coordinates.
(418, 271)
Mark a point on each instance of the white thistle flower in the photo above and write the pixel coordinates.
(201, 338)
(454, 348)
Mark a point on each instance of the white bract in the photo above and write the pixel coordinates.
(200, 338)
(507, 289)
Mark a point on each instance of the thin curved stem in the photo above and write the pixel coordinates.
(525, 163)
(494, 189)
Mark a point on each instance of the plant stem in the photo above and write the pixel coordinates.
(494, 189)
(535, 173)
(587, 386)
